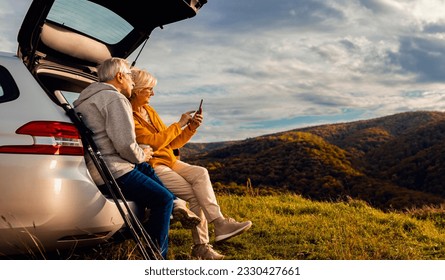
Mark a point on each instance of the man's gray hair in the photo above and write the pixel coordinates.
(110, 67)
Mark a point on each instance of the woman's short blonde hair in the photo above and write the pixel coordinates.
(142, 79)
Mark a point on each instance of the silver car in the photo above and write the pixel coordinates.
(48, 200)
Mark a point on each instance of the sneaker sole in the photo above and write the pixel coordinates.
(215, 258)
(224, 237)
(208, 254)
(209, 259)
(187, 222)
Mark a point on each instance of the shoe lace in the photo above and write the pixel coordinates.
(204, 248)
(211, 250)
(230, 220)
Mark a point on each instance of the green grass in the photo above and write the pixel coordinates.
(289, 227)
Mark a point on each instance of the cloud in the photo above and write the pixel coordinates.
(266, 15)
(423, 56)
(259, 65)
(11, 17)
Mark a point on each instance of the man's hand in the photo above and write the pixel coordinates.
(148, 152)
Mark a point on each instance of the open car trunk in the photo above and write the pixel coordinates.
(62, 41)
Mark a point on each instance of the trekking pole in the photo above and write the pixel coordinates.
(137, 230)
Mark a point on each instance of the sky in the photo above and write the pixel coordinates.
(270, 66)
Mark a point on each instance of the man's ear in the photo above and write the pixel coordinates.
(120, 77)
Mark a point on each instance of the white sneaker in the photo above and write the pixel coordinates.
(226, 228)
(205, 252)
(187, 218)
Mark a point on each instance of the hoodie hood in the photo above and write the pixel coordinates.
(92, 90)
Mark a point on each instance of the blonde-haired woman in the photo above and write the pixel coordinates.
(188, 182)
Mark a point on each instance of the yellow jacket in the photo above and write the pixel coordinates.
(161, 138)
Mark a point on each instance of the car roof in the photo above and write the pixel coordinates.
(83, 33)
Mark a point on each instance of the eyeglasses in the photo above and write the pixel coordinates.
(128, 74)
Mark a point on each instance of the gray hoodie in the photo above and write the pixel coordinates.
(108, 114)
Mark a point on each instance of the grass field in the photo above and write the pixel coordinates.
(289, 227)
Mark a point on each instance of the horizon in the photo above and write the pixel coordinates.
(323, 124)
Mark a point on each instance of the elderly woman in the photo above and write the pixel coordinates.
(188, 182)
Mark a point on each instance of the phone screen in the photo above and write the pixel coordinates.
(199, 111)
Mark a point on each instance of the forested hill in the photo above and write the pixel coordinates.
(393, 162)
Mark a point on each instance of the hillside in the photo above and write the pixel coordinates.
(393, 162)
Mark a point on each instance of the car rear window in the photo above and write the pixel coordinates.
(8, 88)
(90, 19)
(70, 96)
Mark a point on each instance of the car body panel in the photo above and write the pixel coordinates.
(57, 201)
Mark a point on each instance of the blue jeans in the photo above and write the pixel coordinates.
(142, 186)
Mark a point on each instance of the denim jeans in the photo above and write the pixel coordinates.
(142, 186)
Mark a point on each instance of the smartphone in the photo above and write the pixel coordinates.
(199, 111)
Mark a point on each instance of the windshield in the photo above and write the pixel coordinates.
(90, 19)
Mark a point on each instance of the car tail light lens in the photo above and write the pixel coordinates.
(54, 138)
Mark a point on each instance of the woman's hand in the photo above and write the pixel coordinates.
(185, 118)
(196, 121)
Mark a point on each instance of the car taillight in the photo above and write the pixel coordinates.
(55, 138)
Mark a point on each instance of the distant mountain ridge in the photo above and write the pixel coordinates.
(392, 162)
